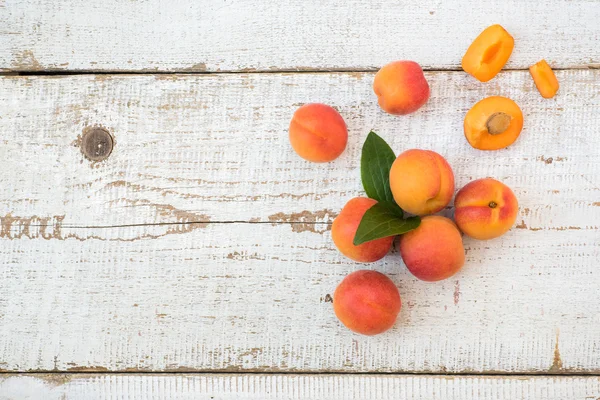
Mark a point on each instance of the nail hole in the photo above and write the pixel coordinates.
(97, 144)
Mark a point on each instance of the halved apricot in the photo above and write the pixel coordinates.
(544, 79)
(493, 123)
(488, 53)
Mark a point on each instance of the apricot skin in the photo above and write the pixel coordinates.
(367, 302)
(434, 251)
(318, 133)
(344, 229)
(422, 181)
(401, 87)
(485, 209)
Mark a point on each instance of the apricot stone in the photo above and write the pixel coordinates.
(318, 133)
(485, 209)
(401, 87)
(344, 229)
(367, 302)
(422, 181)
(434, 251)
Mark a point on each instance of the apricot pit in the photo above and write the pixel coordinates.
(498, 123)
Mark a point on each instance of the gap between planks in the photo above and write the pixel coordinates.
(186, 371)
(306, 70)
(179, 223)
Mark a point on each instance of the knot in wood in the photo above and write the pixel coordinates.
(97, 144)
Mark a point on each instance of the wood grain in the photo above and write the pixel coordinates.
(196, 149)
(296, 387)
(253, 297)
(201, 243)
(235, 35)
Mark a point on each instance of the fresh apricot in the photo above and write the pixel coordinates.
(401, 87)
(367, 302)
(434, 251)
(485, 209)
(344, 229)
(493, 123)
(318, 132)
(421, 181)
(488, 53)
(544, 79)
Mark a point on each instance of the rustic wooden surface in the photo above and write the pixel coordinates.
(296, 387)
(233, 35)
(192, 148)
(202, 243)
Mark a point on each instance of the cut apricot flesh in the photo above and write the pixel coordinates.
(493, 123)
(544, 79)
(488, 53)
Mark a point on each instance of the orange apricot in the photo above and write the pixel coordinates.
(493, 123)
(434, 251)
(367, 302)
(401, 87)
(488, 53)
(544, 79)
(318, 133)
(485, 209)
(344, 229)
(422, 181)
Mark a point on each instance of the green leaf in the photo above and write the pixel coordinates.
(375, 163)
(382, 220)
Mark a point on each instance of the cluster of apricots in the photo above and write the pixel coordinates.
(421, 182)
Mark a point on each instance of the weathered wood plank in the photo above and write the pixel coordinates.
(296, 387)
(215, 148)
(233, 35)
(229, 297)
(86, 283)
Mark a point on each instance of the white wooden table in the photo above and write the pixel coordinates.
(195, 261)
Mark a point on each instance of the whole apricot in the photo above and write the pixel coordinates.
(422, 181)
(434, 251)
(318, 132)
(367, 302)
(401, 87)
(493, 123)
(344, 229)
(485, 209)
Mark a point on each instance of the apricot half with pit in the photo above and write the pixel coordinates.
(493, 123)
